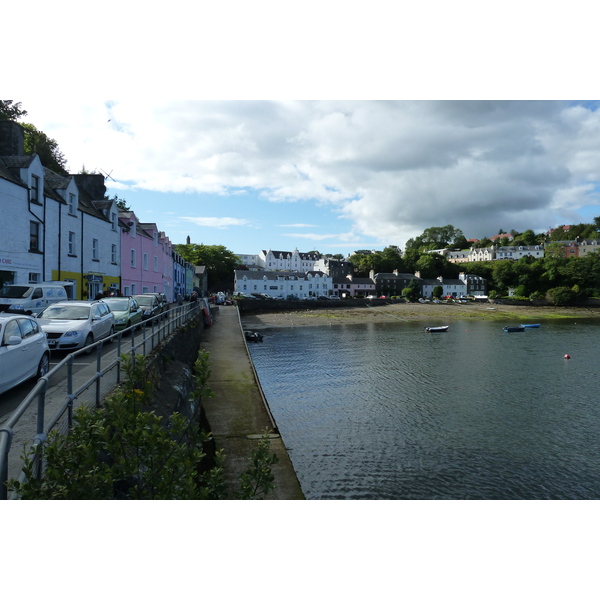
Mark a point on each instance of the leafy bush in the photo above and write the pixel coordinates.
(561, 296)
(124, 451)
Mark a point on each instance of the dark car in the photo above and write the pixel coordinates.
(150, 305)
(162, 300)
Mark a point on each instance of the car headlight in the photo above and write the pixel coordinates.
(72, 334)
(16, 307)
(120, 320)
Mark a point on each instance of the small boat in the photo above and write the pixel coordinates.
(253, 336)
(513, 329)
(437, 329)
(530, 325)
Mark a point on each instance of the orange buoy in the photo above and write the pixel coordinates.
(567, 356)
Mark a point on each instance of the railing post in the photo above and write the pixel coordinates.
(6, 434)
(98, 372)
(70, 361)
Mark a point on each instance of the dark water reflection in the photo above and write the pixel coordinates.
(386, 411)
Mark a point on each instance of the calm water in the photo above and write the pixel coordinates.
(388, 411)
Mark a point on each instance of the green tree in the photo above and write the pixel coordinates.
(37, 142)
(11, 111)
(438, 290)
(413, 291)
(220, 263)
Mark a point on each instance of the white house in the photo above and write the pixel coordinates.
(283, 284)
(276, 260)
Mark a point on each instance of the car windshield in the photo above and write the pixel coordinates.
(15, 291)
(117, 303)
(145, 301)
(67, 313)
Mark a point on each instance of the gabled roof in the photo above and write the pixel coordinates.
(6, 173)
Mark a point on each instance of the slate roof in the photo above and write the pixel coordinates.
(6, 173)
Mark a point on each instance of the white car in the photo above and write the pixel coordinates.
(24, 350)
(76, 324)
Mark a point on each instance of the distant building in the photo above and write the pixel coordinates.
(283, 284)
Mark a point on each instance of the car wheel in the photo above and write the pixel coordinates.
(89, 340)
(44, 365)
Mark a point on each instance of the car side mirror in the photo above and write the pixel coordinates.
(14, 340)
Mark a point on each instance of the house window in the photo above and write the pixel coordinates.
(133, 289)
(34, 236)
(126, 291)
(34, 278)
(35, 189)
(113, 254)
(156, 264)
(155, 238)
(133, 258)
(72, 245)
(145, 289)
(72, 207)
(145, 261)
(156, 289)
(113, 218)
(95, 249)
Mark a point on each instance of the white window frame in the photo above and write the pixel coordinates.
(113, 254)
(145, 261)
(133, 262)
(72, 204)
(35, 232)
(95, 249)
(72, 243)
(156, 264)
(35, 189)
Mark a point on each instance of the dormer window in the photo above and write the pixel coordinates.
(35, 189)
(72, 204)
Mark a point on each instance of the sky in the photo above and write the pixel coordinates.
(334, 176)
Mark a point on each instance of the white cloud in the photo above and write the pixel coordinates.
(297, 225)
(392, 168)
(216, 222)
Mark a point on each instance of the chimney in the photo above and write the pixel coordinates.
(93, 184)
(12, 139)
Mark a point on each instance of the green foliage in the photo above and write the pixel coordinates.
(561, 296)
(218, 260)
(412, 292)
(37, 142)
(438, 290)
(434, 238)
(125, 451)
(11, 111)
(257, 480)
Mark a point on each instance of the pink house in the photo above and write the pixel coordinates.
(146, 258)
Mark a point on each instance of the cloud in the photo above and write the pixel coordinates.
(217, 222)
(393, 168)
(297, 225)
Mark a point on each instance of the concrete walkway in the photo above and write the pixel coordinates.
(237, 413)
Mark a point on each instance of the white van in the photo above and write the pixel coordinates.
(31, 299)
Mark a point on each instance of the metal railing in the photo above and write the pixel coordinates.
(70, 384)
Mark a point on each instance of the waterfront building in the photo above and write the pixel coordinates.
(283, 284)
(353, 287)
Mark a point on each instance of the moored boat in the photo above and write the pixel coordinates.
(513, 329)
(437, 329)
(252, 336)
(530, 325)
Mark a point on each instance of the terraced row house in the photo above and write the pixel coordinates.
(283, 284)
(64, 228)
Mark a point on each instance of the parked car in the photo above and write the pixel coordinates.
(126, 310)
(76, 324)
(150, 306)
(31, 299)
(24, 351)
(162, 300)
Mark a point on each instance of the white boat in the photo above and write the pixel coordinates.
(437, 329)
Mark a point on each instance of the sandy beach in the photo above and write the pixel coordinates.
(429, 314)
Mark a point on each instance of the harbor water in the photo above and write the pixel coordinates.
(387, 411)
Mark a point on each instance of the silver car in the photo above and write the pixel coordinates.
(76, 324)
(24, 350)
